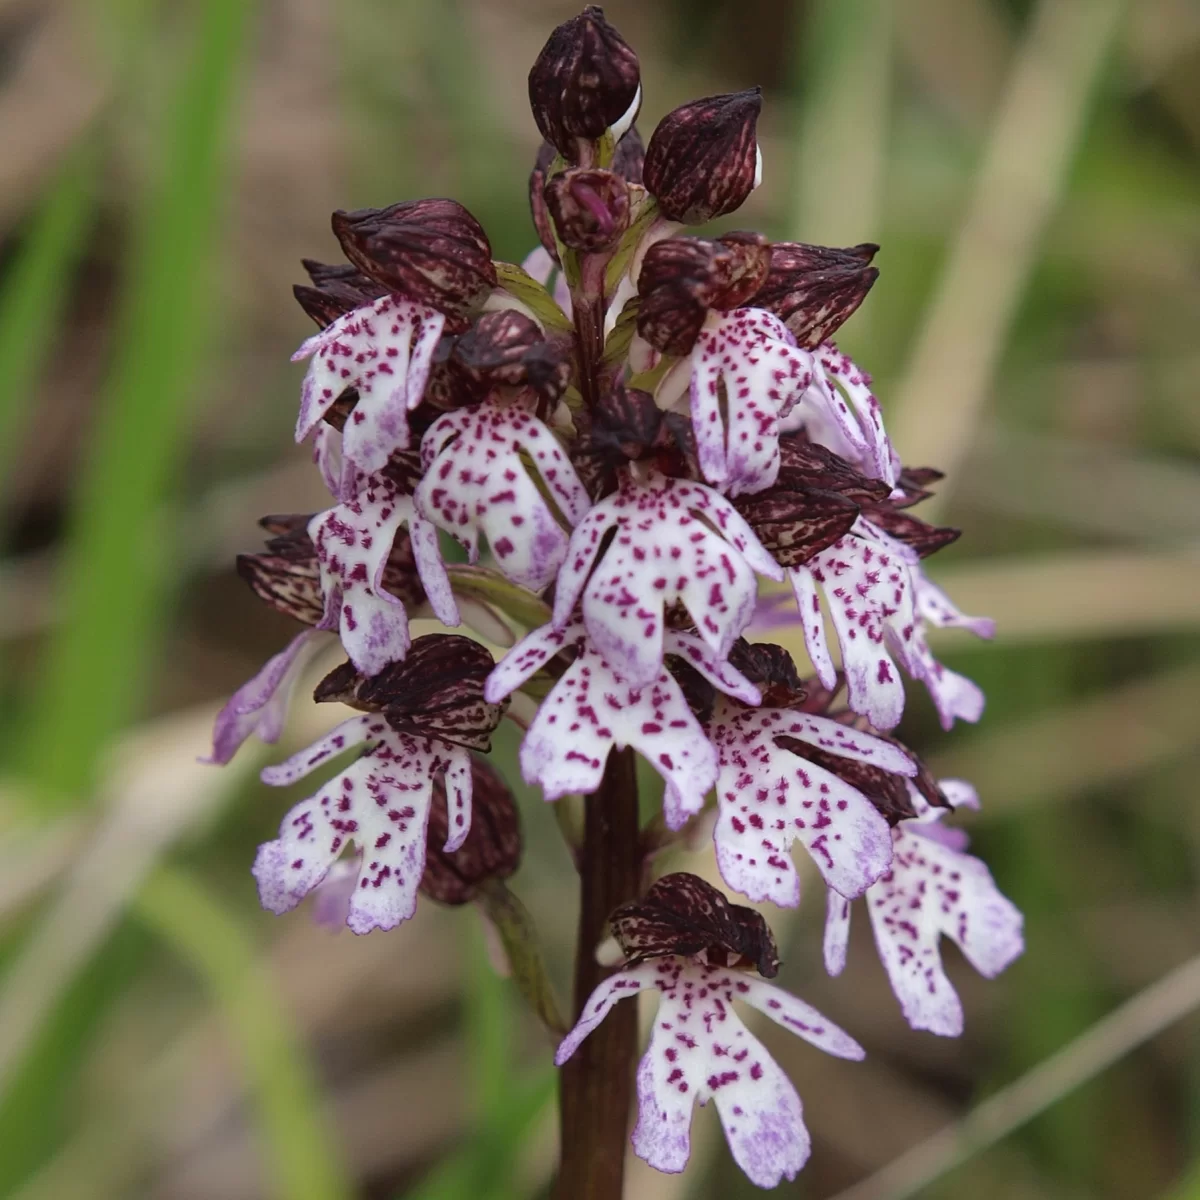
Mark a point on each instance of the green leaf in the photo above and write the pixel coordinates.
(483, 583)
(519, 284)
(523, 947)
(643, 208)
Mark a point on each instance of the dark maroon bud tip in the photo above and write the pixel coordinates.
(772, 668)
(336, 290)
(432, 251)
(682, 914)
(492, 849)
(683, 277)
(702, 160)
(815, 289)
(508, 348)
(589, 207)
(436, 692)
(585, 81)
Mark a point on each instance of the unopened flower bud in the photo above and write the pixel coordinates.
(509, 348)
(683, 277)
(585, 81)
(772, 669)
(589, 206)
(492, 849)
(432, 251)
(437, 691)
(815, 289)
(537, 198)
(703, 159)
(683, 915)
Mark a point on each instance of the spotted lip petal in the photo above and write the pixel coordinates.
(380, 803)
(867, 583)
(383, 351)
(353, 543)
(769, 798)
(260, 705)
(700, 1050)
(764, 375)
(476, 483)
(592, 708)
(932, 889)
(662, 552)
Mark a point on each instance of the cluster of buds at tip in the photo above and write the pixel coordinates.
(656, 460)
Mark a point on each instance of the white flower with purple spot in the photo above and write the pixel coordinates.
(380, 803)
(593, 708)
(353, 541)
(673, 541)
(700, 1050)
(751, 355)
(770, 797)
(872, 585)
(383, 351)
(476, 482)
(933, 889)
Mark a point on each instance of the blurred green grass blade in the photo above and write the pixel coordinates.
(484, 1170)
(296, 1140)
(490, 1027)
(38, 1103)
(117, 560)
(35, 291)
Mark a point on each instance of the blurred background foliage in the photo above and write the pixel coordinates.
(1030, 168)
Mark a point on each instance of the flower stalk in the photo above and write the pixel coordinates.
(595, 1085)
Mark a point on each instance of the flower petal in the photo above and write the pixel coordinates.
(476, 482)
(526, 658)
(837, 931)
(591, 709)
(812, 623)
(380, 803)
(764, 375)
(770, 798)
(662, 552)
(933, 890)
(934, 606)
(600, 1003)
(799, 1018)
(383, 351)
(717, 671)
(260, 705)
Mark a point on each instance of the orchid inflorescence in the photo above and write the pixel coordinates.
(627, 434)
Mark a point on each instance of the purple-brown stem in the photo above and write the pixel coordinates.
(595, 1084)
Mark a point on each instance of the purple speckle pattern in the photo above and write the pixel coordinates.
(751, 353)
(380, 805)
(592, 708)
(353, 541)
(769, 798)
(383, 351)
(259, 707)
(673, 540)
(932, 889)
(476, 482)
(700, 1050)
(867, 582)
